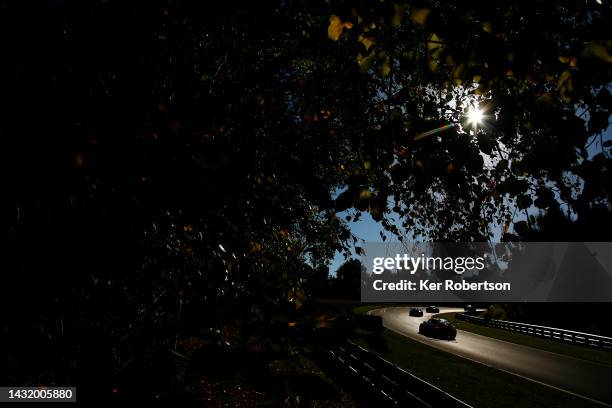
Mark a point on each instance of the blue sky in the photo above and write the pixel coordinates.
(367, 229)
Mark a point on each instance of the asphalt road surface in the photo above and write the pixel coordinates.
(582, 378)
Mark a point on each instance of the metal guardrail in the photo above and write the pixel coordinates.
(389, 384)
(552, 333)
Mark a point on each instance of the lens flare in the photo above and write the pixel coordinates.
(433, 131)
(475, 117)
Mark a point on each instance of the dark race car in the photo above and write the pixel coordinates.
(432, 309)
(438, 328)
(470, 309)
(415, 311)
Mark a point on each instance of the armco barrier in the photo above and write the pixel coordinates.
(567, 336)
(381, 383)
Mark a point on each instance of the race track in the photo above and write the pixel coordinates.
(583, 378)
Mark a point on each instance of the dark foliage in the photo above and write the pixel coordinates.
(170, 168)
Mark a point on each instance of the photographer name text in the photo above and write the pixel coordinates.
(448, 284)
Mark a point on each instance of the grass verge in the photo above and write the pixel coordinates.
(363, 309)
(585, 353)
(476, 384)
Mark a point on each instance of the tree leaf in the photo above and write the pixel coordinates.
(399, 10)
(523, 202)
(365, 62)
(365, 194)
(598, 51)
(419, 15)
(367, 42)
(566, 86)
(335, 28)
(521, 227)
(385, 67)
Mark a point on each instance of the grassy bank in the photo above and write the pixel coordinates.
(476, 384)
(362, 309)
(584, 353)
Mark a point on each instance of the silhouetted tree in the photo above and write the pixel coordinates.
(347, 283)
(168, 168)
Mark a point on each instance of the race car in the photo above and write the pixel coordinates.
(438, 328)
(432, 309)
(470, 309)
(417, 312)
